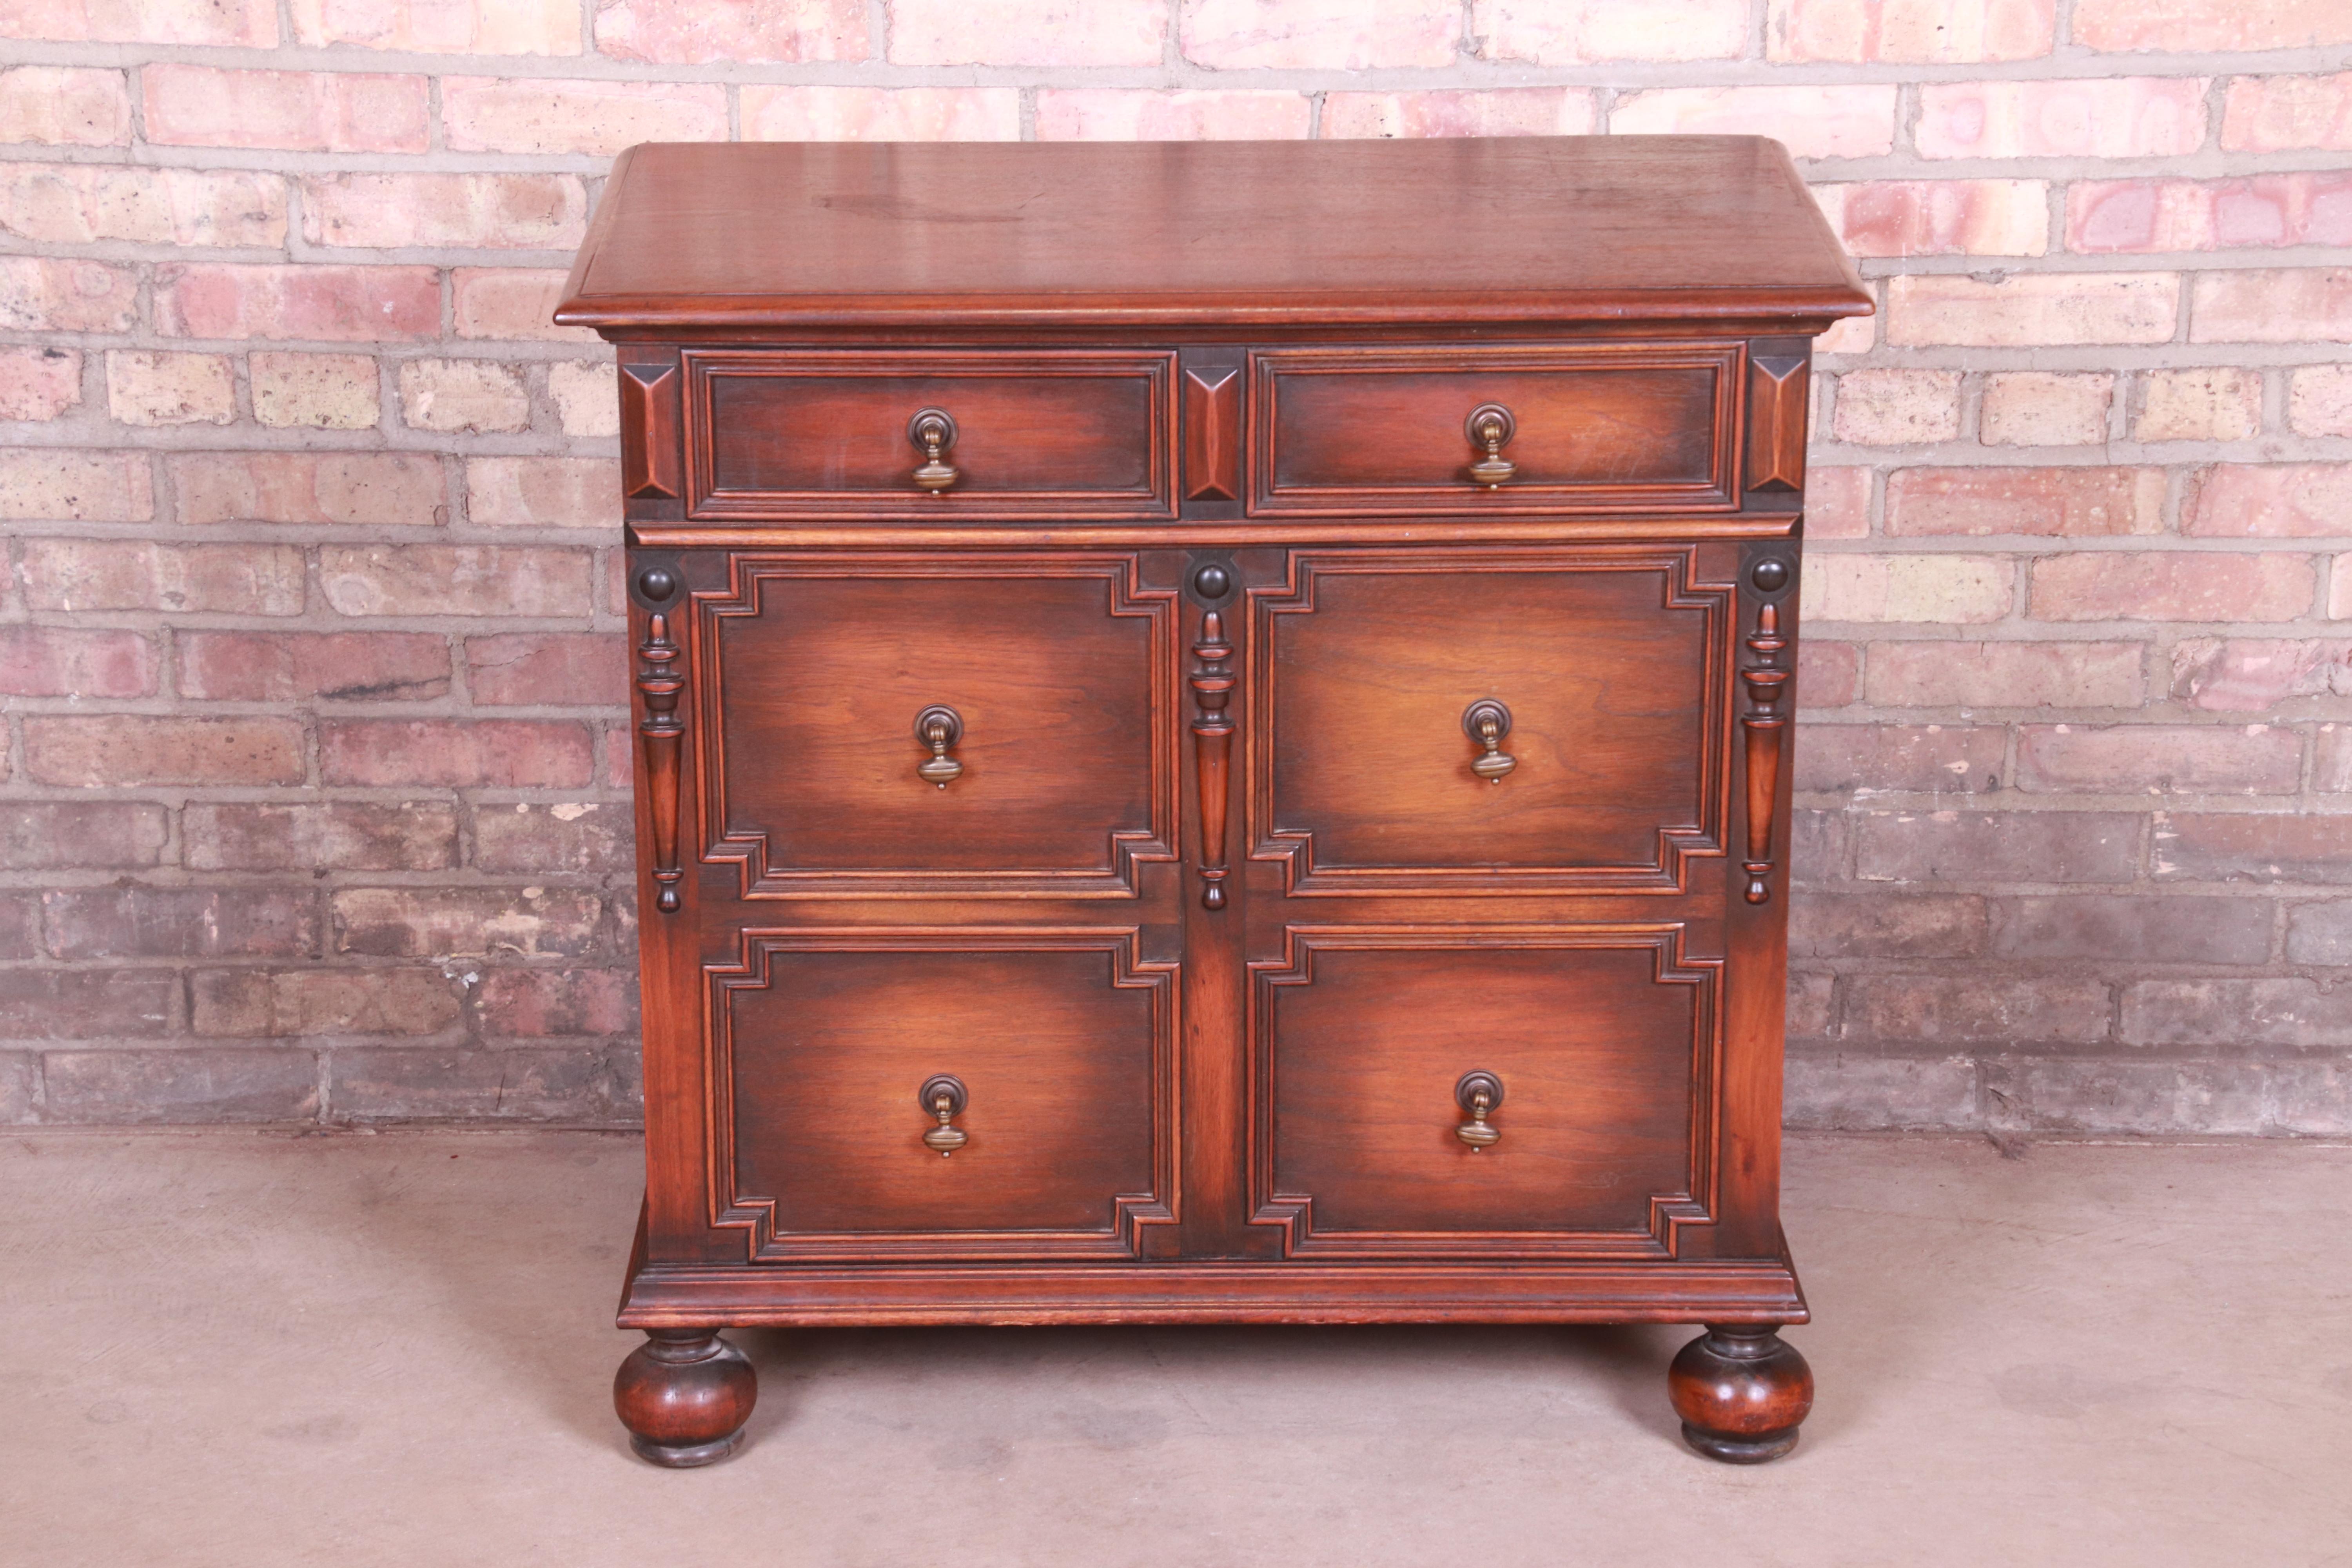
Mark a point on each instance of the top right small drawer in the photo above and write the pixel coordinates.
(1476, 430)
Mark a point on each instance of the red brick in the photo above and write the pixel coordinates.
(85, 204)
(2113, 117)
(538, 1003)
(52, 661)
(2072, 1095)
(1817, 845)
(2291, 305)
(587, 396)
(2239, 1012)
(568, 667)
(324, 304)
(38, 383)
(76, 574)
(375, 490)
(1811, 1000)
(2331, 759)
(1837, 503)
(1849, 1092)
(479, 212)
(1923, 1008)
(2200, 403)
(470, 922)
(1949, 589)
(2191, 27)
(2111, 216)
(2056, 503)
(2032, 309)
(179, 922)
(486, 114)
(1827, 673)
(328, 836)
(1938, 217)
(66, 294)
(315, 391)
(1998, 847)
(543, 492)
(85, 836)
(2339, 590)
(809, 113)
(1320, 34)
(2131, 759)
(2217, 846)
(118, 750)
(511, 304)
(441, 26)
(2318, 400)
(463, 395)
(1124, 114)
(1026, 33)
(2005, 674)
(1960, 759)
(2320, 933)
(1580, 31)
(565, 1085)
(2045, 408)
(1952, 32)
(302, 112)
(143, 387)
(2172, 586)
(2286, 113)
(1884, 924)
(2272, 500)
(302, 666)
(227, 24)
(17, 1092)
(503, 753)
(620, 757)
(86, 1003)
(574, 837)
(454, 580)
(1498, 112)
(2248, 675)
(64, 106)
(288, 1003)
(20, 927)
(2133, 929)
(699, 32)
(1886, 407)
(1811, 121)
(252, 1084)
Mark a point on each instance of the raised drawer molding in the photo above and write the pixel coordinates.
(1211, 726)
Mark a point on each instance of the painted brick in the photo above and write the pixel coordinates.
(2268, 500)
(1996, 846)
(1952, 589)
(488, 211)
(1837, 503)
(314, 392)
(2171, 587)
(575, 838)
(397, 489)
(118, 750)
(2248, 675)
(146, 388)
(84, 204)
(74, 574)
(1320, 34)
(86, 1003)
(227, 24)
(2128, 758)
(2042, 408)
(178, 922)
(2116, 117)
(2320, 933)
(290, 1003)
(1119, 114)
(75, 487)
(2072, 1095)
(539, 1003)
(813, 113)
(259, 1084)
(1504, 112)
(2005, 674)
(60, 835)
(2055, 502)
(2197, 25)
(2202, 403)
(43, 294)
(328, 304)
(490, 114)
(1578, 32)
(467, 922)
(563, 1085)
(2261, 306)
(303, 667)
(64, 106)
(2217, 846)
(466, 754)
(1922, 32)
(2287, 113)
(471, 396)
(440, 26)
(1026, 32)
(319, 836)
(587, 397)
(1811, 1000)
(456, 580)
(1958, 759)
(2033, 309)
(1845, 1093)
(296, 111)
(2111, 216)
(1938, 217)
(1811, 121)
(543, 492)
(510, 303)
(1881, 924)
(57, 662)
(1926, 1008)
(1827, 673)
(1888, 407)
(561, 667)
(2114, 928)
(2318, 399)
(38, 383)
(2240, 1012)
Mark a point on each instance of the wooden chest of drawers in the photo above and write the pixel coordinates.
(1210, 723)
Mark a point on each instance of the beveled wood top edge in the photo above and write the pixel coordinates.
(1614, 529)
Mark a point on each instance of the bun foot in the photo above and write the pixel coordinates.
(1741, 1391)
(684, 1395)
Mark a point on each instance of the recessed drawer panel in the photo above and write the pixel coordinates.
(1389, 432)
(936, 437)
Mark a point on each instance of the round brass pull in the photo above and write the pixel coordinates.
(1478, 1093)
(939, 728)
(943, 1096)
(933, 433)
(1488, 722)
(1490, 426)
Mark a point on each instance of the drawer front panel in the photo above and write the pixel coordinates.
(1603, 1040)
(1608, 670)
(1059, 675)
(1060, 1044)
(1063, 434)
(1591, 427)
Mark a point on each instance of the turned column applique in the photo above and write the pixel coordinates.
(1213, 739)
(659, 682)
(1767, 683)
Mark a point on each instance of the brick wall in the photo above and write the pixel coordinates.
(315, 804)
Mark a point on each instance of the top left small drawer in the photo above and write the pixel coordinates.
(938, 437)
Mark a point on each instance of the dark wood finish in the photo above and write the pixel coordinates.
(1211, 745)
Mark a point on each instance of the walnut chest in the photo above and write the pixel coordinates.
(1210, 732)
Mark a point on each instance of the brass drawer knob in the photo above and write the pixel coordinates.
(933, 433)
(1488, 722)
(939, 728)
(1490, 426)
(944, 1097)
(1478, 1094)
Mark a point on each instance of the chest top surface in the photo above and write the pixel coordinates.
(778, 236)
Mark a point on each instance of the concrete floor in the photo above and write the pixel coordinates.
(253, 1350)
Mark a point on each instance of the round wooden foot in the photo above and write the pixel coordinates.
(1741, 1391)
(684, 1395)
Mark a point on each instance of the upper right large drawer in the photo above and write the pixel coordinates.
(1394, 431)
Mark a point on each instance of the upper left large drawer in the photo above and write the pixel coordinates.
(938, 437)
